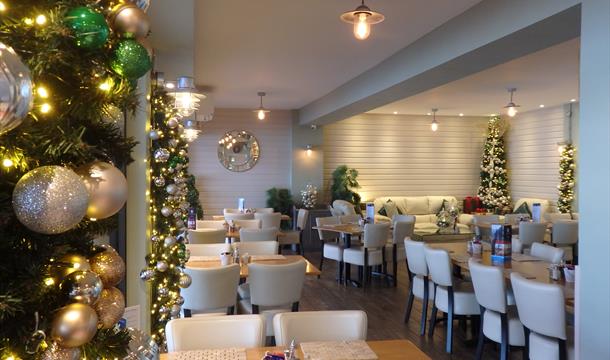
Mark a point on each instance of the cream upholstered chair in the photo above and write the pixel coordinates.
(274, 289)
(485, 234)
(542, 312)
(208, 249)
(295, 237)
(210, 224)
(238, 216)
(395, 247)
(266, 210)
(548, 253)
(499, 322)
(529, 233)
(371, 252)
(215, 332)
(207, 236)
(350, 219)
(211, 290)
(552, 217)
(248, 224)
(342, 207)
(419, 284)
(331, 249)
(515, 219)
(269, 234)
(565, 235)
(257, 247)
(272, 220)
(451, 296)
(344, 325)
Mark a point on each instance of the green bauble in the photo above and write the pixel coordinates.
(175, 160)
(131, 59)
(89, 27)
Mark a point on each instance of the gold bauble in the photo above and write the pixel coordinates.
(129, 20)
(110, 307)
(109, 266)
(107, 188)
(68, 264)
(74, 325)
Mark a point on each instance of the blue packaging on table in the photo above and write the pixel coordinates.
(501, 241)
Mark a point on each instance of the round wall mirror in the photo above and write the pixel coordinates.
(238, 150)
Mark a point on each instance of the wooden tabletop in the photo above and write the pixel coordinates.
(222, 217)
(231, 234)
(436, 237)
(536, 270)
(350, 229)
(385, 350)
(288, 259)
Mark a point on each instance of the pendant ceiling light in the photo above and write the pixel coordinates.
(186, 97)
(511, 107)
(261, 112)
(362, 18)
(434, 124)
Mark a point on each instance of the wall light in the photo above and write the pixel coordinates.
(434, 124)
(308, 150)
(511, 107)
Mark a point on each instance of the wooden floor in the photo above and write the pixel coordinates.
(385, 306)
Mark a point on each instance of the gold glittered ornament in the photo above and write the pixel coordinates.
(107, 188)
(109, 266)
(74, 325)
(110, 307)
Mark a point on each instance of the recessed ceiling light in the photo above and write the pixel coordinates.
(541, 105)
(461, 114)
(395, 112)
(573, 100)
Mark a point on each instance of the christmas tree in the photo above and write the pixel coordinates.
(566, 179)
(493, 190)
(68, 70)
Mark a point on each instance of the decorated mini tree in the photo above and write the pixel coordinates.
(493, 189)
(567, 166)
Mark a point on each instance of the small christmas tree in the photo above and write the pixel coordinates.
(493, 190)
(566, 179)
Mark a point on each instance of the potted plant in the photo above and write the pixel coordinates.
(281, 201)
(344, 180)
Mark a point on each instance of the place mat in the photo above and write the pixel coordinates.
(338, 350)
(210, 354)
(267, 257)
(205, 258)
(524, 258)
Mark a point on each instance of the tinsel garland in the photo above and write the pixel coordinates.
(567, 166)
(493, 190)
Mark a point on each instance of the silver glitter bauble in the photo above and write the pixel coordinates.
(180, 224)
(169, 241)
(50, 199)
(107, 189)
(163, 292)
(84, 287)
(180, 300)
(175, 311)
(154, 134)
(164, 310)
(185, 280)
(74, 325)
(141, 346)
(162, 266)
(130, 21)
(147, 274)
(16, 98)
(155, 238)
(171, 188)
(177, 214)
(56, 352)
(172, 143)
(165, 211)
(161, 155)
(172, 123)
(159, 181)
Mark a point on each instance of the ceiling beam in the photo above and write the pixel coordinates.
(488, 34)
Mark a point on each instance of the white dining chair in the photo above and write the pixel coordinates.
(212, 290)
(552, 217)
(331, 247)
(307, 326)
(499, 321)
(273, 289)
(371, 253)
(565, 235)
(215, 332)
(452, 296)
(529, 233)
(484, 233)
(238, 216)
(266, 210)
(208, 249)
(207, 236)
(350, 219)
(548, 253)
(248, 224)
(246, 234)
(295, 237)
(395, 247)
(257, 247)
(420, 286)
(210, 224)
(272, 220)
(542, 312)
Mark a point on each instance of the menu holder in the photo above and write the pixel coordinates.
(338, 350)
(209, 354)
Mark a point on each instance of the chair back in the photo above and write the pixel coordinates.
(210, 224)
(402, 230)
(268, 221)
(211, 288)
(207, 236)
(238, 216)
(376, 235)
(439, 266)
(208, 249)
(416, 257)
(552, 217)
(257, 247)
(565, 232)
(329, 220)
(343, 207)
(302, 217)
(489, 286)
(548, 253)
(515, 219)
(399, 217)
(541, 306)
(248, 224)
(531, 232)
(215, 332)
(246, 235)
(276, 285)
(350, 219)
(266, 210)
(305, 326)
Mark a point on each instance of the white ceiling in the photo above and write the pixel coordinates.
(548, 77)
(297, 51)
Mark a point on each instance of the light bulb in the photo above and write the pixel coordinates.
(362, 29)
(512, 111)
(434, 126)
(261, 114)
(7, 163)
(308, 152)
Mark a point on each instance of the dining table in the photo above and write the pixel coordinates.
(346, 232)
(205, 262)
(232, 235)
(384, 349)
